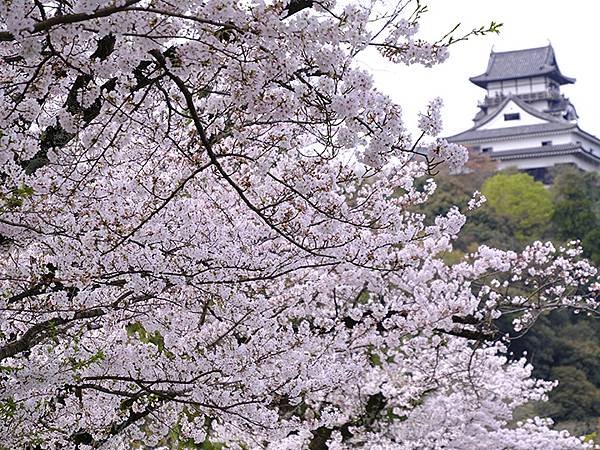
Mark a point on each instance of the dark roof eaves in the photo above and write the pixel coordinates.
(516, 134)
(587, 135)
(483, 80)
(529, 151)
(549, 68)
(565, 149)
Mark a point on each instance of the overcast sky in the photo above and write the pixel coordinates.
(571, 26)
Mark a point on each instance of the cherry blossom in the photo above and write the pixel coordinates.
(209, 234)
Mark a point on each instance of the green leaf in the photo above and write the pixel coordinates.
(8, 408)
(79, 364)
(17, 196)
(137, 330)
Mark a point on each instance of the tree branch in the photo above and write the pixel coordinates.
(47, 24)
(38, 332)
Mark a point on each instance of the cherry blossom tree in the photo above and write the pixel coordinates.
(209, 239)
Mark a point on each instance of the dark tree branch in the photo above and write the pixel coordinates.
(295, 6)
(65, 19)
(40, 331)
(205, 141)
(473, 335)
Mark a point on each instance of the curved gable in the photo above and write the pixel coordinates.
(511, 114)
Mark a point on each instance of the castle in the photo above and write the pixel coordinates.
(524, 121)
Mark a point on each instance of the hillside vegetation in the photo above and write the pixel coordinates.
(561, 346)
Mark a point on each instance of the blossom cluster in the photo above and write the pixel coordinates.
(209, 236)
(430, 122)
(455, 155)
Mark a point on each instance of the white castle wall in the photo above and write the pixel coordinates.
(528, 142)
(511, 108)
(520, 86)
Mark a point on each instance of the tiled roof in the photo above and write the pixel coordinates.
(547, 150)
(474, 135)
(521, 64)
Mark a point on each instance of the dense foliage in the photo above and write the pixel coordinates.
(210, 239)
(523, 202)
(561, 346)
(577, 210)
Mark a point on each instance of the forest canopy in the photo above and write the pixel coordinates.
(210, 237)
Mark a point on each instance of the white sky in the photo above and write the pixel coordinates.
(571, 26)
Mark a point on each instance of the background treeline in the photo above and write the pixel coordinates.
(561, 345)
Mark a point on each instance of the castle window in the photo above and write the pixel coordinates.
(545, 143)
(512, 116)
(486, 149)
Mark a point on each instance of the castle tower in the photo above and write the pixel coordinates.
(524, 120)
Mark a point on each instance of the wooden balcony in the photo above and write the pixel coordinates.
(528, 97)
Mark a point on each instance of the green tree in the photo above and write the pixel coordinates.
(524, 202)
(577, 212)
(570, 183)
(591, 245)
(483, 226)
(573, 219)
(575, 397)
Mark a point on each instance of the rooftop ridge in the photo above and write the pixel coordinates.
(522, 63)
(549, 46)
(489, 134)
